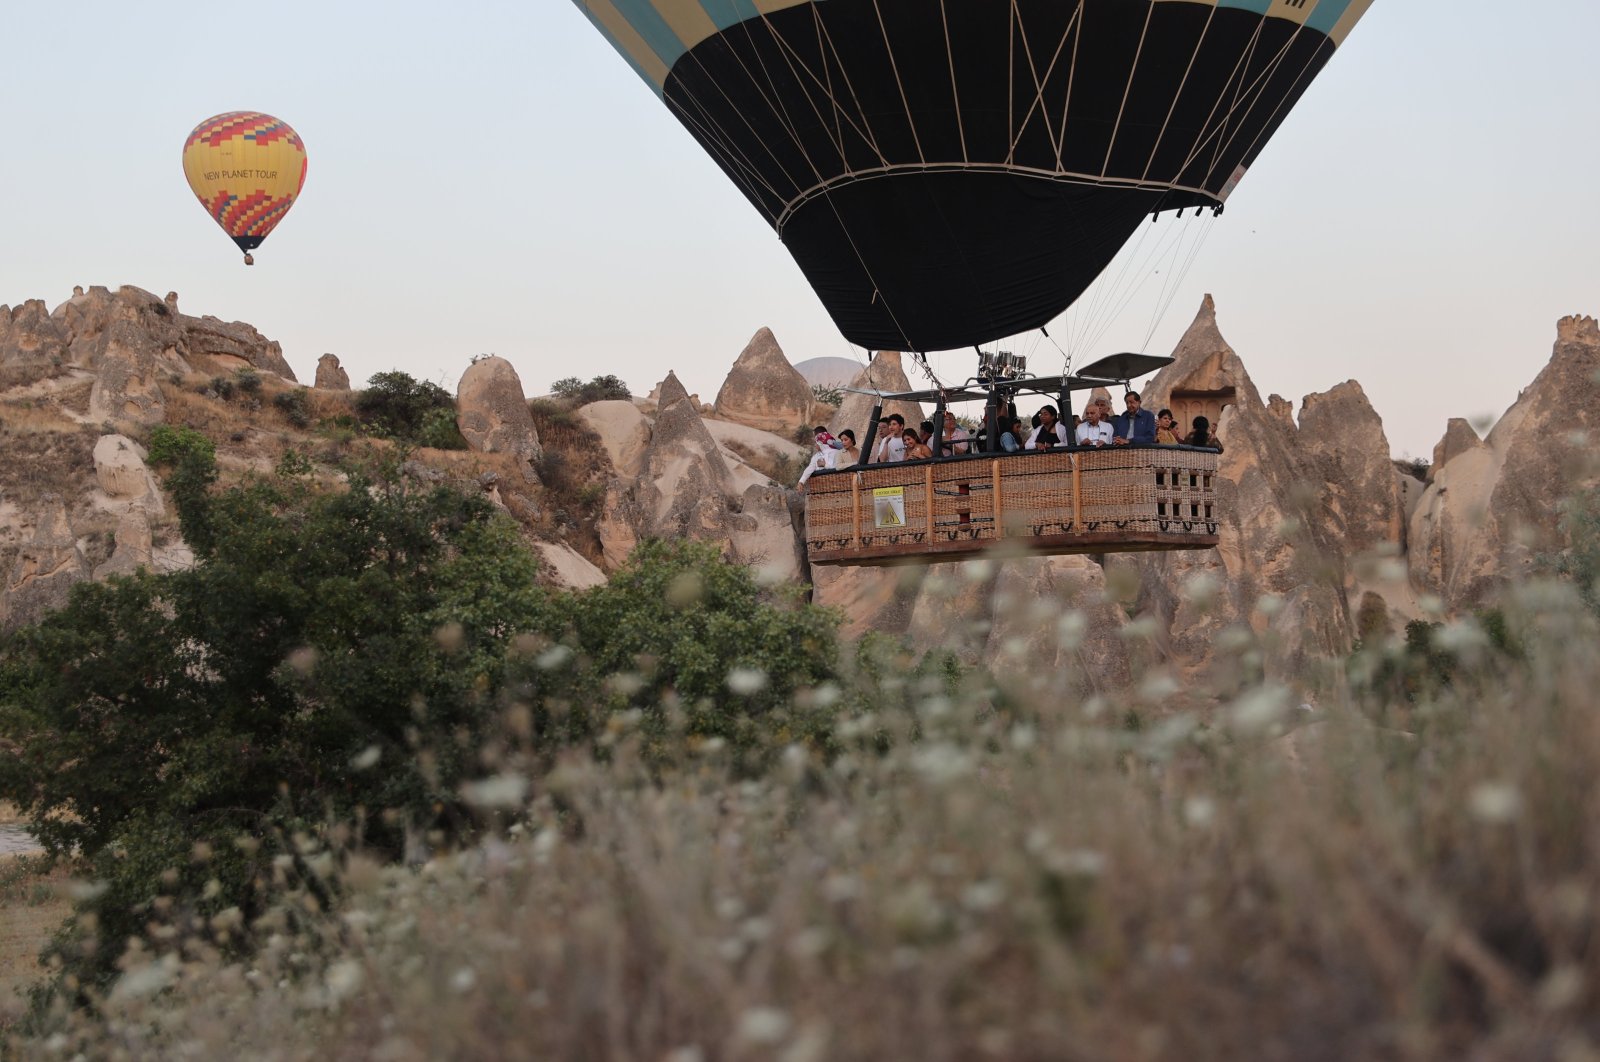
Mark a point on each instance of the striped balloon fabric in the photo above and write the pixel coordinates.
(246, 168)
(947, 172)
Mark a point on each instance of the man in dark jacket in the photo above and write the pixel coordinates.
(1137, 425)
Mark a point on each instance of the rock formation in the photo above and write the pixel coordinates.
(1488, 513)
(492, 412)
(330, 376)
(885, 373)
(45, 571)
(763, 390)
(1459, 437)
(623, 431)
(134, 548)
(686, 488)
(121, 472)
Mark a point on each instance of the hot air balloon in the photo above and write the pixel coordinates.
(948, 172)
(246, 168)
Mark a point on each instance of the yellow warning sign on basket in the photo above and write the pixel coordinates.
(889, 507)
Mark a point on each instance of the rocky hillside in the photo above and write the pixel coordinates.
(1322, 528)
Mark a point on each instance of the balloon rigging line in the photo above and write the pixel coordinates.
(894, 67)
(1127, 90)
(1072, 72)
(955, 90)
(1182, 84)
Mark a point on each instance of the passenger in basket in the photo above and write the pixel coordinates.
(1137, 425)
(1166, 429)
(893, 445)
(851, 454)
(916, 449)
(825, 459)
(1012, 438)
(1201, 436)
(1050, 432)
(955, 436)
(1094, 431)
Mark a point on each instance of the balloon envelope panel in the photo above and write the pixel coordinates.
(246, 168)
(947, 172)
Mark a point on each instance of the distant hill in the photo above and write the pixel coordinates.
(830, 372)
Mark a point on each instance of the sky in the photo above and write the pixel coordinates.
(490, 177)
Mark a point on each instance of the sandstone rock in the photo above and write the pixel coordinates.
(686, 489)
(130, 324)
(235, 345)
(1458, 438)
(125, 385)
(45, 571)
(330, 377)
(1056, 632)
(1488, 514)
(763, 390)
(1277, 535)
(29, 336)
(567, 568)
(492, 412)
(623, 431)
(121, 472)
(134, 549)
(886, 372)
(1343, 435)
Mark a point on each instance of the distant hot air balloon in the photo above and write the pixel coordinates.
(246, 168)
(947, 172)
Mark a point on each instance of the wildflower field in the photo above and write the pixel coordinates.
(703, 849)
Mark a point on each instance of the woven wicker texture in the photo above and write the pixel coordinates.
(1153, 497)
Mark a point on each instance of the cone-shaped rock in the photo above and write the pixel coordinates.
(492, 412)
(763, 390)
(886, 372)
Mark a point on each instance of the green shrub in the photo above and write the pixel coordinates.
(599, 389)
(247, 380)
(170, 445)
(396, 405)
(828, 395)
(294, 406)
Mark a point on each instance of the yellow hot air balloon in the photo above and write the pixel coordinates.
(246, 168)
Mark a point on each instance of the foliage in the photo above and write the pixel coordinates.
(295, 406)
(599, 389)
(299, 673)
(828, 394)
(398, 406)
(1009, 884)
(169, 445)
(679, 632)
(355, 657)
(1580, 562)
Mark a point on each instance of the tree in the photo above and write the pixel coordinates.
(828, 394)
(599, 389)
(332, 658)
(398, 406)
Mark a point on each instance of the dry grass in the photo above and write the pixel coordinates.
(1036, 881)
(783, 469)
(32, 905)
(574, 471)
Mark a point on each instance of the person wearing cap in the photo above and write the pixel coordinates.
(1137, 425)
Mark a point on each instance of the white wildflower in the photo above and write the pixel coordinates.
(463, 980)
(1496, 802)
(367, 758)
(747, 681)
(763, 1025)
(500, 791)
(343, 980)
(552, 658)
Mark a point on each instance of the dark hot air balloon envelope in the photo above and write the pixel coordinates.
(948, 172)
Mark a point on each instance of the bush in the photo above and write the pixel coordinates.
(599, 389)
(294, 406)
(396, 405)
(828, 395)
(326, 660)
(354, 658)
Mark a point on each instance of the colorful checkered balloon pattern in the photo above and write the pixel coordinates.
(247, 169)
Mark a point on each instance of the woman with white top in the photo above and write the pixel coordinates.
(1050, 430)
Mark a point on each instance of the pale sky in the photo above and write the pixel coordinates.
(492, 177)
